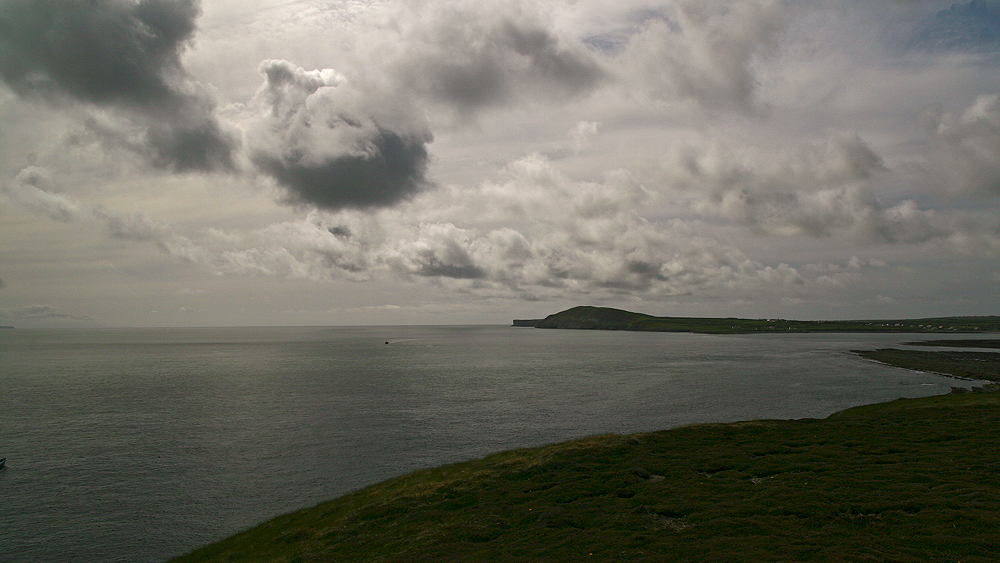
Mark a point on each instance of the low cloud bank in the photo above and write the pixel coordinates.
(34, 314)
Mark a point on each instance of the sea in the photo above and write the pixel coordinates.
(140, 445)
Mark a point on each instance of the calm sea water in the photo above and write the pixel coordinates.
(141, 445)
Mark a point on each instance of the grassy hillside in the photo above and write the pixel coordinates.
(603, 318)
(911, 480)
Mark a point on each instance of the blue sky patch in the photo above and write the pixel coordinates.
(973, 26)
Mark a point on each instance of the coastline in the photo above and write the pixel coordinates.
(855, 485)
(969, 366)
(605, 318)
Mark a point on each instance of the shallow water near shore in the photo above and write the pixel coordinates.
(141, 445)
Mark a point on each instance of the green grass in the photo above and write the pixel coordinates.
(604, 318)
(911, 480)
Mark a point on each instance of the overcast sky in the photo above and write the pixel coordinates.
(325, 162)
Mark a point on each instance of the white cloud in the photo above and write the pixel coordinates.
(582, 134)
(966, 155)
(822, 188)
(705, 51)
(28, 189)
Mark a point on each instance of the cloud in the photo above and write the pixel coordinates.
(582, 134)
(198, 143)
(30, 189)
(532, 233)
(118, 54)
(104, 51)
(819, 189)
(334, 146)
(359, 140)
(35, 313)
(471, 55)
(438, 251)
(554, 237)
(965, 155)
(705, 51)
(729, 100)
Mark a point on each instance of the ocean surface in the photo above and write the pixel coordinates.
(142, 445)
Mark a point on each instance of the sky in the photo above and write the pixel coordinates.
(376, 162)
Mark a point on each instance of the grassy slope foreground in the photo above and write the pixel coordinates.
(911, 480)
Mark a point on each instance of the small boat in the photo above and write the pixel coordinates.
(3, 460)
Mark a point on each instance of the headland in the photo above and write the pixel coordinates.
(605, 318)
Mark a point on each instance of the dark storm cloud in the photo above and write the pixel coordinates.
(392, 169)
(339, 143)
(101, 51)
(335, 146)
(123, 55)
(202, 145)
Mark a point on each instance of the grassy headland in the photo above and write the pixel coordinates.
(910, 480)
(604, 318)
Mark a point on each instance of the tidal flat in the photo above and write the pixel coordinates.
(969, 365)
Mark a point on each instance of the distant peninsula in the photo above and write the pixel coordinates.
(605, 318)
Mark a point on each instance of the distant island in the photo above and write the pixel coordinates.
(5, 326)
(605, 318)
